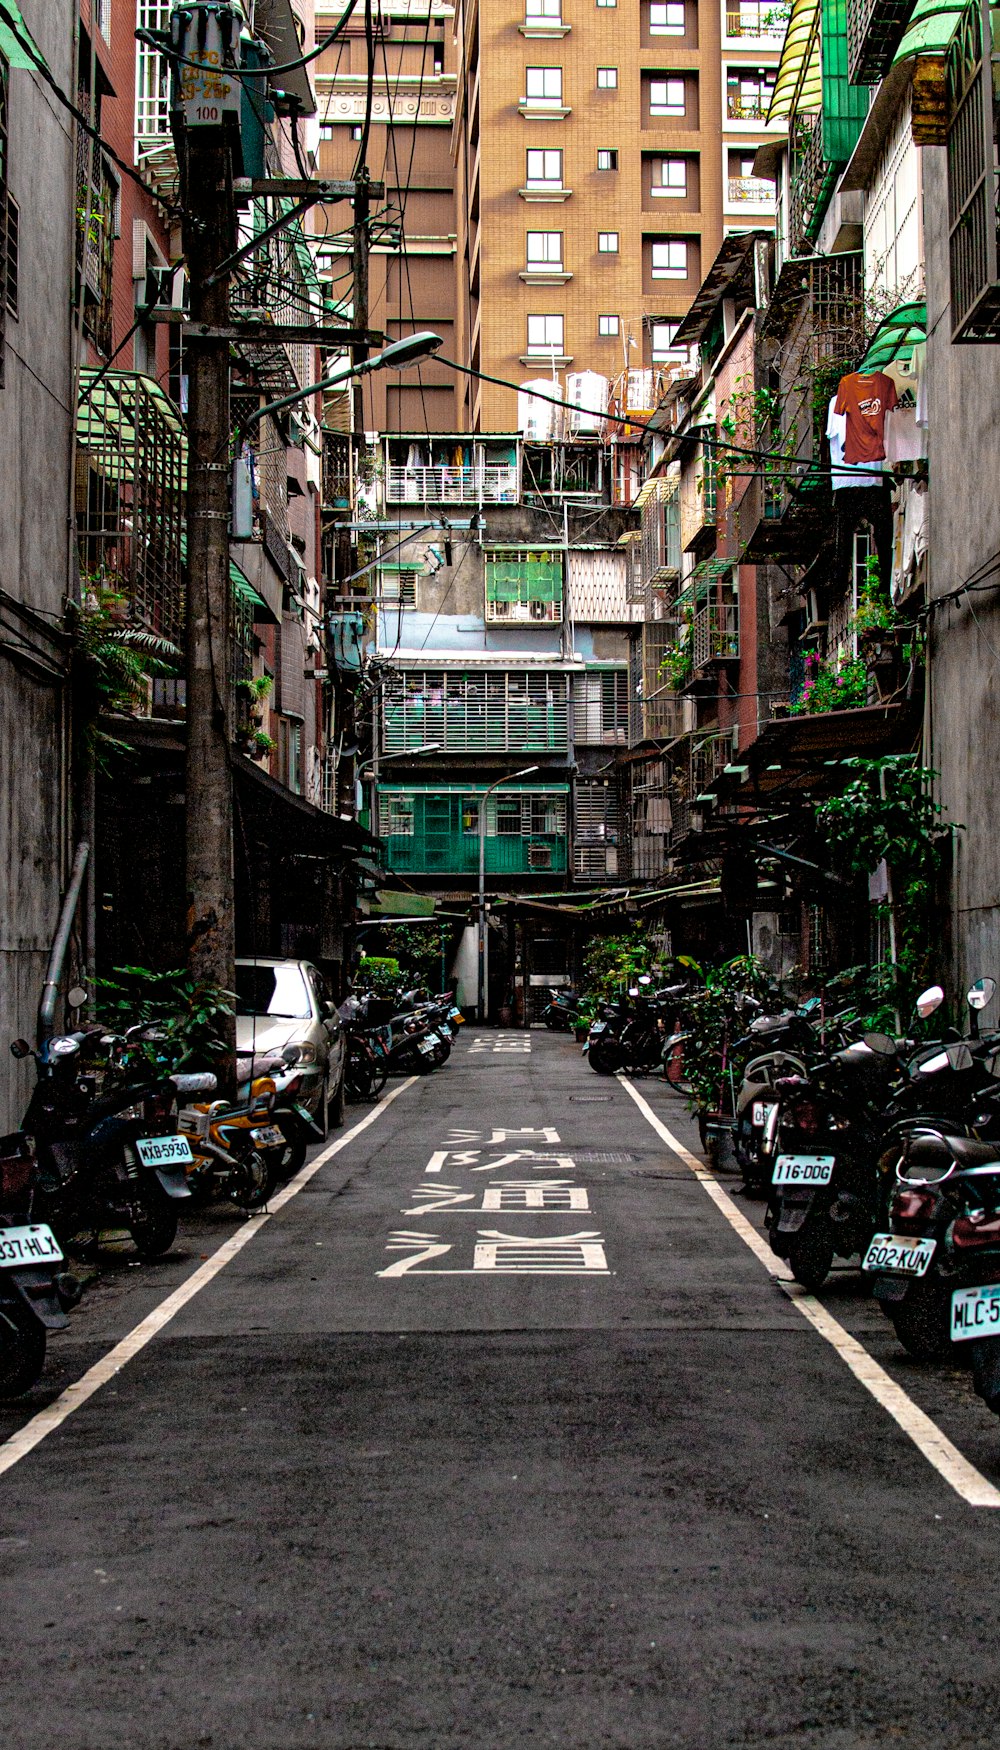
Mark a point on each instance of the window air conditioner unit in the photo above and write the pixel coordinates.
(166, 294)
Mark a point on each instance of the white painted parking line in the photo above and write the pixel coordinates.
(963, 1477)
(48, 1420)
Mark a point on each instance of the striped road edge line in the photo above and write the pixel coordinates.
(963, 1477)
(75, 1395)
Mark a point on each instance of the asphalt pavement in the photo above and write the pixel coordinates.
(496, 1432)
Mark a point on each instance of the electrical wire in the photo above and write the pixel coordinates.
(155, 40)
(13, 22)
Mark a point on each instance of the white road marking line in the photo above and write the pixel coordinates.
(49, 1419)
(938, 1450)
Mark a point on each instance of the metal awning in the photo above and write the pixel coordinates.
(277, 818)
(119, 414)
(17, 45)
(930, 30)
(896, 336)
(731, 263)
(799, 85)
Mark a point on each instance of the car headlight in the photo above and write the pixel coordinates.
(308, 1054)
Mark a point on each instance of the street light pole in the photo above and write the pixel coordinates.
(410, 753)
(481, 983)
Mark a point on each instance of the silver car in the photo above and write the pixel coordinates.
(285, 1002)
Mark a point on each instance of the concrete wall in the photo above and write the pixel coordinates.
(964, 660)
(35, 424)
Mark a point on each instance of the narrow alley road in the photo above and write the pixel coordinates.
(497, 1433)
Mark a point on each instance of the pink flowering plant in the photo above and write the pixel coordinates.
(826, 688)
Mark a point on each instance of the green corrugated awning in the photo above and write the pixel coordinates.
(17, 44)
(895, 337)
(799, 87)
(845, 106)
(931, 27)
(242, 586)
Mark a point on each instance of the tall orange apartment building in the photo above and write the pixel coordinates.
(559, 177)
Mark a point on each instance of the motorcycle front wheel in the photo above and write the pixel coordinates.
(602, 1063)
(249, 1181)
(152, 1221)
(811, 1251)
(22, 1351)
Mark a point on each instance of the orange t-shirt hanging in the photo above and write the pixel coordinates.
(866, 400)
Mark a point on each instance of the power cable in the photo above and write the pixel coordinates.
(157, 40)
(16, 26)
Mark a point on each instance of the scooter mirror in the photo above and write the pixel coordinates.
(880, 1043)
(633, 990)
(981, 993)
(20, 1048)
(960, 1057)
(644, 978)
(929, 1000)
(992, 1065)
(77, 996)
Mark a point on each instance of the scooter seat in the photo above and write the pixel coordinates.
(966, 1151)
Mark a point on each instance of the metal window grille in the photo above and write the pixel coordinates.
(656, 713)
(600, 708)
(12, 256)
(874, 31)
(523, 583)
(130, 495)
(4, 198)
(473, 713)
(427, 832)
(596, 831)
(972, 182)
(152, 78)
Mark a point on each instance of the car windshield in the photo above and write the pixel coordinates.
(280, 991)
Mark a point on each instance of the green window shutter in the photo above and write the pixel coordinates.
(845, 106)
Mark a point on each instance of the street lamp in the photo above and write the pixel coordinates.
(408, 753)
(396, 356)
(509, 779)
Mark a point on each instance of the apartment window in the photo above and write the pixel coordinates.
(544, 250)
(666, 18)
(608, 327)
(546, 334)
(662, 348)
(607, 242)
(607, 78)
(670, 259)
(669, 177)
(356, 133)
(544, 168)
(102, 18)
(543, 11)
(543, 87)
(607, 158)
(666, 97)
(607, 2)
(398, 586)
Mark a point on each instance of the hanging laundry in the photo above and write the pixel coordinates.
(841, 475)
(866, 400)
(905, 440)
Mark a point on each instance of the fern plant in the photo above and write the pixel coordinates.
(114, 660)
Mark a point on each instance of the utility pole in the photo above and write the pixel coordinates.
(209, 237)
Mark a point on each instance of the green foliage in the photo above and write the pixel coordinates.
(888, 812)
(828, 688)
(114, 661)
(712, 1025)
(189, 1018)
(613, 963)
(380, 973)
(418, 952)
(875, 612)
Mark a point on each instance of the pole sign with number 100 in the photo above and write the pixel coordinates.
(206, 93)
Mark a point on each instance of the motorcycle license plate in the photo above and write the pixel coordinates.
(426, 1047)
(29, 1245)
(599, 1027)
(164, 1151)
(456, 1015)
(268, 1136)
(975, 1312)
(803, 1170)
(432, 1039)
(760, 1112)
(900, 1253)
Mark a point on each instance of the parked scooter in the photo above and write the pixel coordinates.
(237, 1149)
(36, 1291)
(110, 1159)
(561, 1012)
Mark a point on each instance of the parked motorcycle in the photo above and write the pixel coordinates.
(36, 1291)
(561, 1012)
(237, 1149)
(107, 1159)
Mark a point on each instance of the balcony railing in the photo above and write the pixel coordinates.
(710, 754)
(750, 190)
(813, 180)
(475, 713)
(715, 634)
(748, 109)
(760, 23)
(454, 853)
(492, 483)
